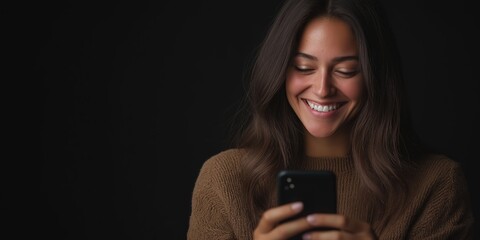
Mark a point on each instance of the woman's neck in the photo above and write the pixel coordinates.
(336, 145)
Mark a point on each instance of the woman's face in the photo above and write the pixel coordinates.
(324, 82)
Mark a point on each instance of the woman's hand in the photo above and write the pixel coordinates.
(345, 228)
(270, 228)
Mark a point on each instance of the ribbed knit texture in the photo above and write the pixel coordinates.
(438, 208)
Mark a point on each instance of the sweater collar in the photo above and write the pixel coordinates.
(335, 164)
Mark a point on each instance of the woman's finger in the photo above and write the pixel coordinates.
(339, 222)
(346, 228)
(290, 229)
(273, 216)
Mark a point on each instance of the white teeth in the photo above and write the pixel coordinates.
(322, 108)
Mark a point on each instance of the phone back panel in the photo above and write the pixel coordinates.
(316, 189)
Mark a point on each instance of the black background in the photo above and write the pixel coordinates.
(122, 102)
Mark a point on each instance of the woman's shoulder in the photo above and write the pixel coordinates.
(438, 168)
(437, 162)
(226, 158)
(226, 162)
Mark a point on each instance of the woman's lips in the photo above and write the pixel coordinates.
(323, 108)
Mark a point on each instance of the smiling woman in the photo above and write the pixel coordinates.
(324, 85)
(130, 98)
(326, 92)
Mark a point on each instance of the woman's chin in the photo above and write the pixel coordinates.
(321, 133)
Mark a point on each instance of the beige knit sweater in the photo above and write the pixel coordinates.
(438, 209)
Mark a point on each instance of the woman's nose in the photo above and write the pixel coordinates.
(322, 85)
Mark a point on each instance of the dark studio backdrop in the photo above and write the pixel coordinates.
(135, 96)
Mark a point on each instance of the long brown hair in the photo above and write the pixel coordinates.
(381, 135)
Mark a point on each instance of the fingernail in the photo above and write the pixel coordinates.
(311, 219)
(297, 206)
(307, 236)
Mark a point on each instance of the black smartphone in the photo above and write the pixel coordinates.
(316, 189)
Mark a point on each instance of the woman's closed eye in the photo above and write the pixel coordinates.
(304, 69)
(346, 73)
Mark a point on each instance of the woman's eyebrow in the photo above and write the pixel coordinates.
(304, 55)
(345, 58)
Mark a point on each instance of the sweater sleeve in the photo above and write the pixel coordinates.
(448, 213)
(208, 219)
